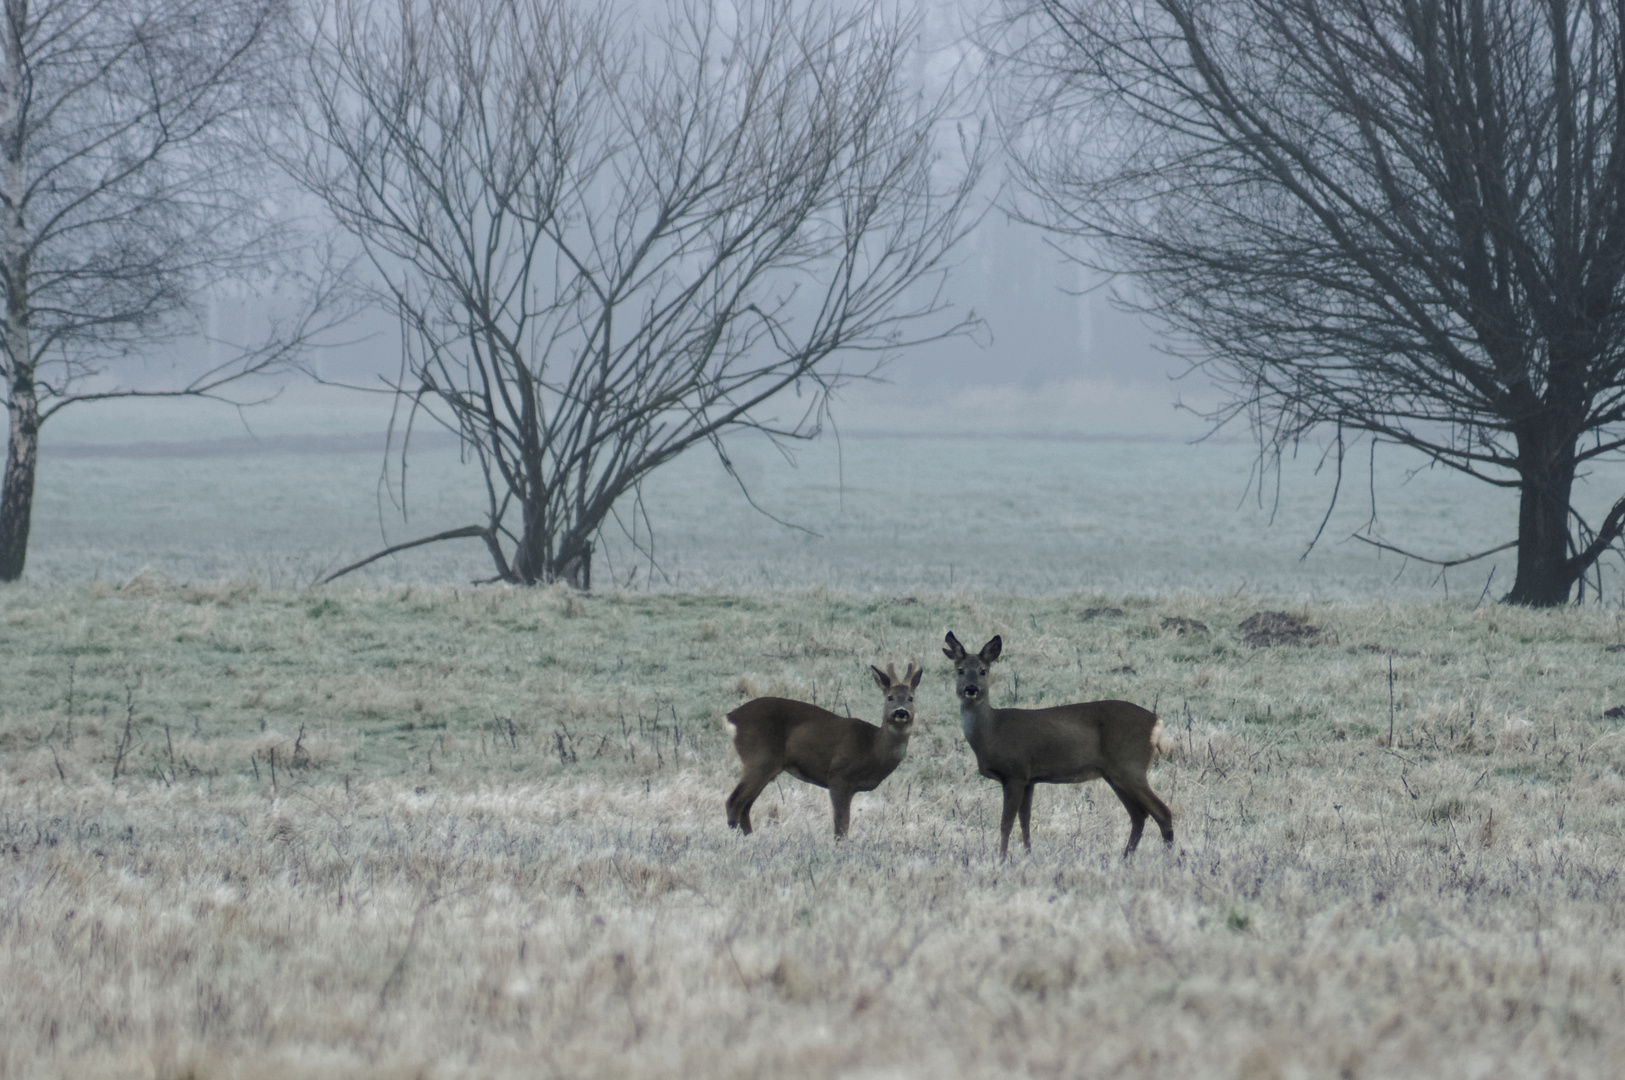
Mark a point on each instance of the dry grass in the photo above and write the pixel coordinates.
(494, 843)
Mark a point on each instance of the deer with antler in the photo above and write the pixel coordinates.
(1065, 744)
(841, 753)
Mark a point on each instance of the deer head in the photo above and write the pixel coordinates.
(899, 708)
(970, 671)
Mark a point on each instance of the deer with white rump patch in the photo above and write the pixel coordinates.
(841, 753)
(1064, 744)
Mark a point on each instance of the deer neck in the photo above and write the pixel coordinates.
(975, 718)
(893, 742)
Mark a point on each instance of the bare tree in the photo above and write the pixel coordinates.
(1401, 220)
(609, 240)
(122, 197)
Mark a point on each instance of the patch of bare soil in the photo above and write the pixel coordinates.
(1181, 625)
(1263, 628)
(1388, 651)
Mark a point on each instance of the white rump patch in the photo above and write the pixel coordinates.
(1157, 743)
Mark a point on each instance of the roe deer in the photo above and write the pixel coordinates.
(843, 754)
(1064, 744)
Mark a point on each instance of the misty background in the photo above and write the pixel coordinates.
(1050, 456)
(1057, 449)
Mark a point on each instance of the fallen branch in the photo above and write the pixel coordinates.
(450, 534)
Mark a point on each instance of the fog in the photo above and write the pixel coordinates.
(1053, 352)
(1054, 355)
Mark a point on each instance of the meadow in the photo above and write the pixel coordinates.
(955, 507)
(383, 830)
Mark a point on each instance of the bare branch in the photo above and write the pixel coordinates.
(611, 241)
(1445, 563)
(1402, 219)
(449, 534)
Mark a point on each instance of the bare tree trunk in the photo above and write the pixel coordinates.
(530, 562)
(22, 402)
(1546, 574)
(17, 492)
(575, 565)
(544, 556)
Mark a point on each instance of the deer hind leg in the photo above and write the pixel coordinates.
(743, 796)
(1136, 814)
(1158, 810)
(1139, 788)
(1027, 817)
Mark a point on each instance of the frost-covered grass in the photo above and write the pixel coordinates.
(494, 845)
(892, 514)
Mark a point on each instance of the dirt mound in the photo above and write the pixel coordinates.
(1277, 628)
(1181, 625)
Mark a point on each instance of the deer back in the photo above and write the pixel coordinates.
(1066, 742)
(809, 742)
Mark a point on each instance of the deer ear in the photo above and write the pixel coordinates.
(914, 675)
(990, 651)
(954, 651)
(880, 678)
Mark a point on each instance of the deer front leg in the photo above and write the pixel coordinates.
(1015, 791)
(841, 799)
(1027, 817)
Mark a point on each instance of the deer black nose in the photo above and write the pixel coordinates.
(899, 714)
(971, 691)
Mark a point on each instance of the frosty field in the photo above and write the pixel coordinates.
(389, 831)
(402, 826)
(1048, 511)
